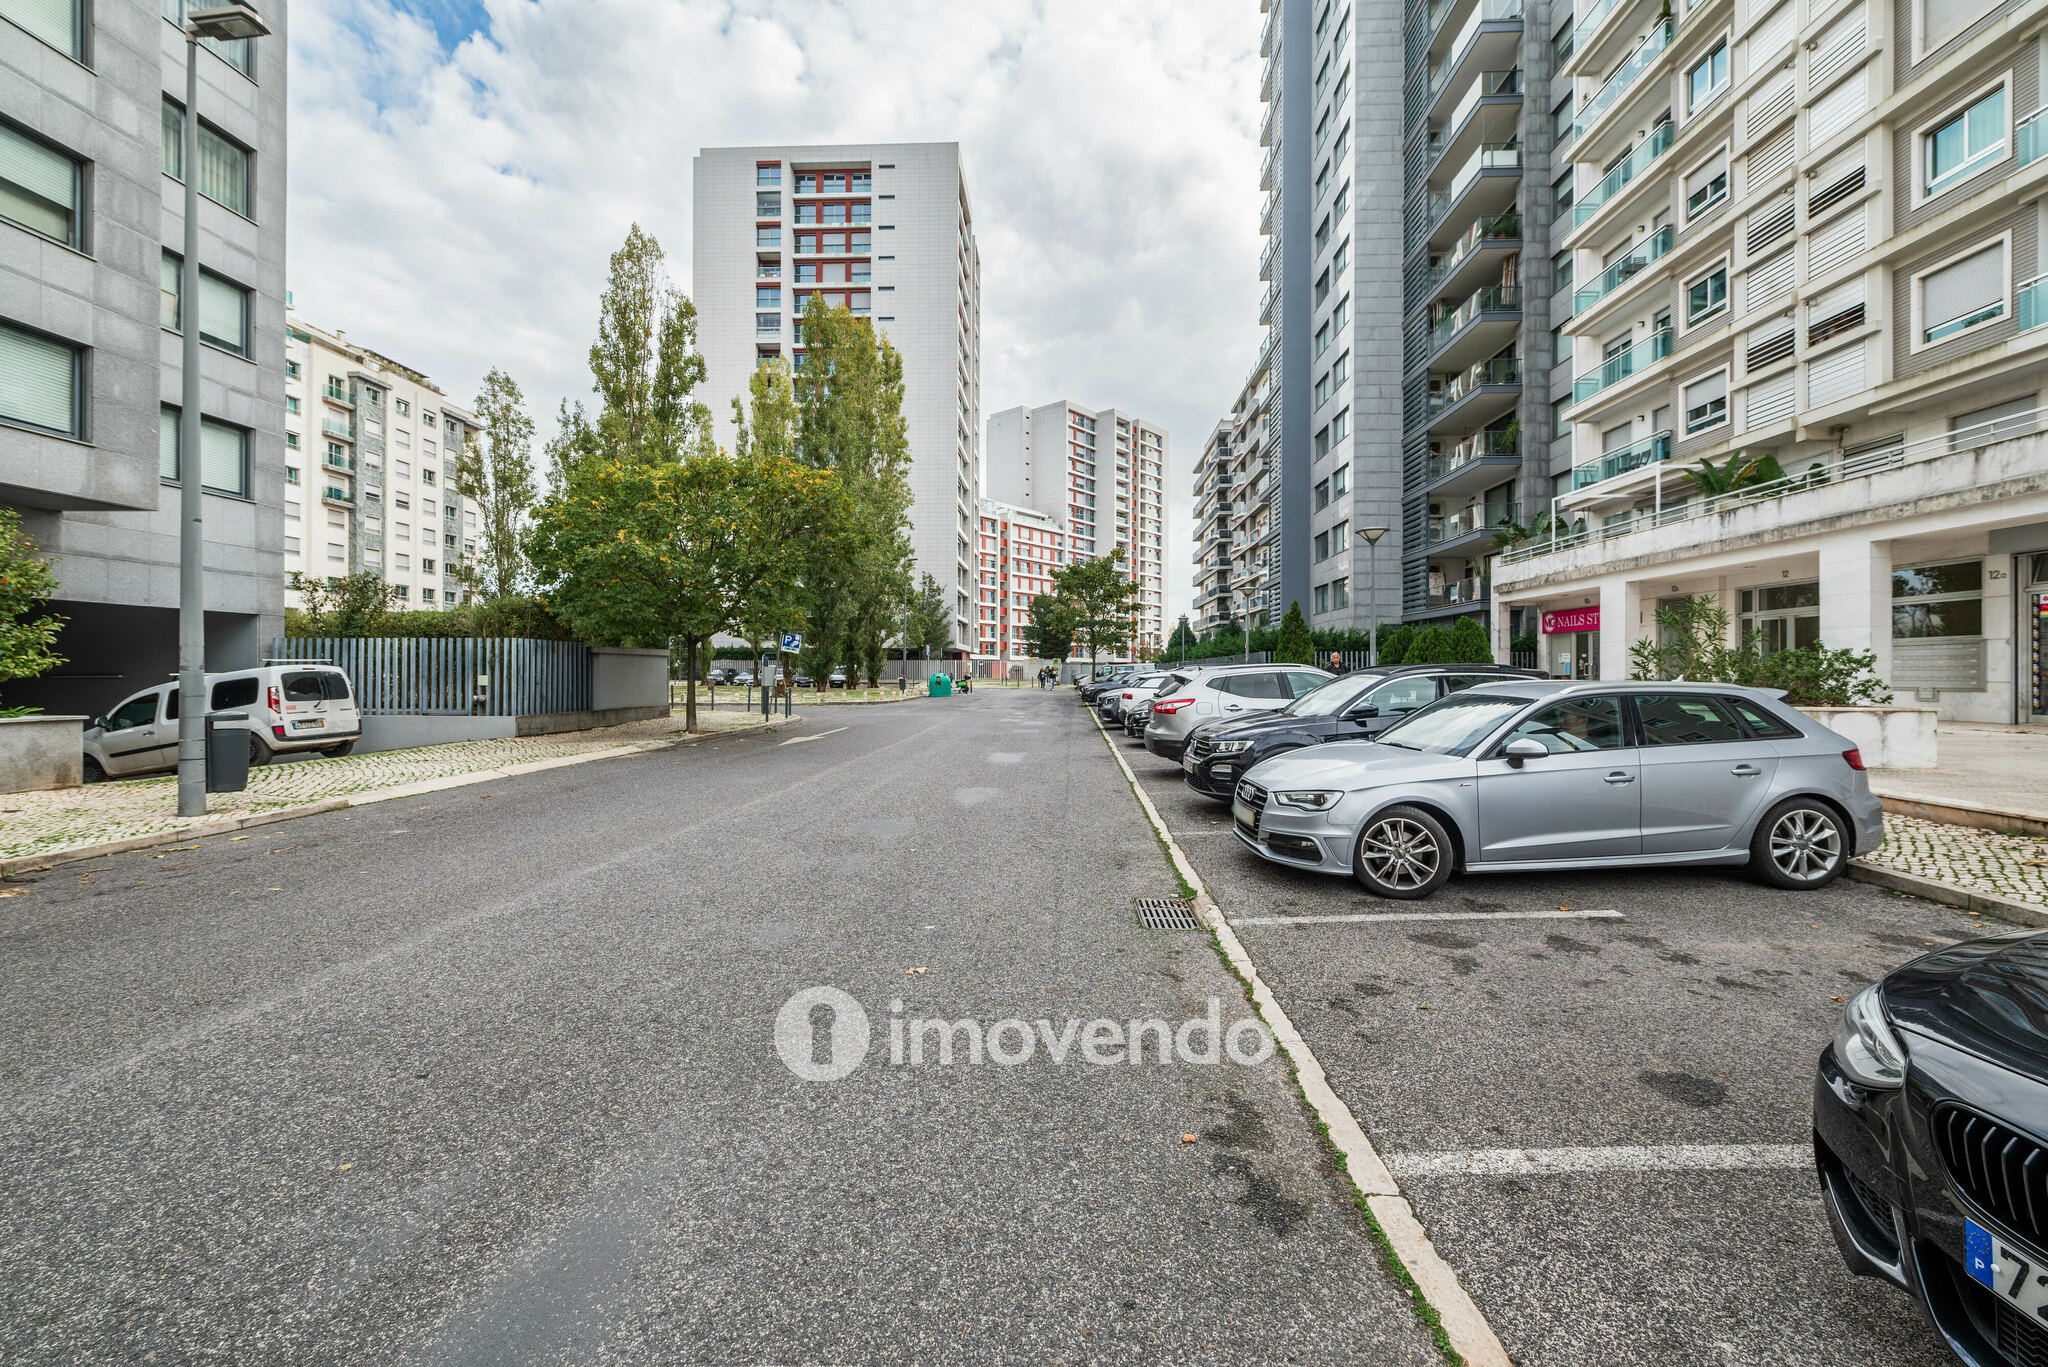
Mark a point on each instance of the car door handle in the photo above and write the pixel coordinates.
(1234, 707)
(1619, 777)
(1745, 771)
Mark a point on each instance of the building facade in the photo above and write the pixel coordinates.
(1017, 549)
(885, 229)
(1102, 474)
(370, 472)
(1213, 510)
(91, 366)
(1806, 342)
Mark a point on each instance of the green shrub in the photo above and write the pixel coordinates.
(1468, 639)
(1432, 645)
(1295, 647)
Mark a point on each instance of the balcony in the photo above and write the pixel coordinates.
(1471, 40)
(337, 394)
(767, 325)
(1454, 593)
(1624, 76)
(2030, 138)
(1465, 528)
(339, 497)
(1500, 373)
(1623, 364)
(1502, 231)
(1650, 451)
(1479, 461)
(1480, 326)
(2033, 303)
(1268, 167)
(1483, 185)
(1488, 111)
(345, 464)
(339, 430)
(768, 270)
(1585, 29)
(1646, 152)
(1612, 279)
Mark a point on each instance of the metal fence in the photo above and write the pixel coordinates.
(497, 676)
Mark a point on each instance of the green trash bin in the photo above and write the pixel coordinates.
(940, 687)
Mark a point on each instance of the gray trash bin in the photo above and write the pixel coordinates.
(227, 753)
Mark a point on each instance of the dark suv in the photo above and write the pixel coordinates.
(1356, 706)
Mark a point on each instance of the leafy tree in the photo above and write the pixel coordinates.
(495, 471)
(1050, 636)
(1469, 640)
(633, 552)
(1181, 643)
(1099, 601)
(345, 605)
(28, 634)
(1394, 643)
(931, 620)
(1295, 646)
(1739, 471)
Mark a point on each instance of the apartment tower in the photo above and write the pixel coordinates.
(91, 219)
(1018, 550)
(886, 230)
(1214, 604)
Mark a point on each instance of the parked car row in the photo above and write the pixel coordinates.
(1930, 1105)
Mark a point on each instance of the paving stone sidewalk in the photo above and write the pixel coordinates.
(2009, 866)
(67, 818)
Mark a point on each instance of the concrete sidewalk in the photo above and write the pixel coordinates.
(1987, 775)
(33, 825)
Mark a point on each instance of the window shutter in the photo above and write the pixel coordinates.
(44, 173)
(1701, 178)
(1837, 109)
(221, 465)
(1768, 157)
(1766, 38)
(1769, 103)
(1767, 279)
(1707, 390)
(1839, 242)
(166, 444)
(53, 21)
(1835, 376)
(1840, 45)
(38, 381)
(223, 310)
(1963, 288)
(1770, 401)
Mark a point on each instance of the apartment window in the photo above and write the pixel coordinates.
(1322, 182)
(237, 53)
(769, 173)
(1708, 78)
(1966, 143)
(223, 307)
(291, 403)
(1322, 445)
(1561, 192)
(1322, 233)
(291, 441)
(768, 206)
(864, 182)
(404, 408)
(337, 453)
(1322, 547)
(1706, 296)
(1322, 598)
(767, 236)
(1561, 271)
(1561, 122)
(1341, 257)
(767, 296)
(1938, 600)
(427, 420)
(1322, 489)
(41, 382)
(835, 182)
(1340, 480)
(40, 187)
(1322, 339)
(1962, 294)
(60, 23)
(1706, 403)
(223, 167)
(291, 473)
(223, 454)
(806, 183)
(1706, 185)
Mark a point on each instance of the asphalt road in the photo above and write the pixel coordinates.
(1693, 1020)
(491, 1076)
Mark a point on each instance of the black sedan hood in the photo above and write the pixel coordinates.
(1989, 997)
(1251, 728)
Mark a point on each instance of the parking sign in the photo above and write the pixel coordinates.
(791, 641)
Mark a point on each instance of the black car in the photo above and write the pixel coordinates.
(1105, 681)
(1356, 706)
(1930, 1118)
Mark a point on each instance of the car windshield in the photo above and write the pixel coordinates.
(1332, 697)
(1453, 725)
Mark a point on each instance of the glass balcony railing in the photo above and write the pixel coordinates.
(1623, 364)
(1612, 279)
(1502, 227)
(334, 495)
(1483, 12)
(1491, 156)
(334, 427)
(2033, 303)
(1478, 446)
(343, 463)
(1500, 370)
(1489, 83)
(1453, 592)
(338, 393)
(1466, 521)
(1587, 24)
(1648, 151)
(2030, 138)
(1625, 76)
(1650, 451)
(1492, 299)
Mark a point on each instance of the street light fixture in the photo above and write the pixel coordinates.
(224, 23)
(1371, 537)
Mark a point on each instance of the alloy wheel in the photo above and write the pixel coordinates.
(1400, 853)
(1805, 845)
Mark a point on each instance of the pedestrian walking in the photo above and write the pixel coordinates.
(1336, 663)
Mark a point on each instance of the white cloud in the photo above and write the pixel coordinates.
(455, 208)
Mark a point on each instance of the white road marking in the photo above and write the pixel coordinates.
(799, 740)
(1429, 916)
(1615, 1158)
(1005, 757)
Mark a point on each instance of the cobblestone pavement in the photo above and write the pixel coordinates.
(2010, 866)
(48, 822)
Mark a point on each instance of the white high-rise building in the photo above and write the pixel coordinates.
(884, 229)
(369, 466)
(1102, 473)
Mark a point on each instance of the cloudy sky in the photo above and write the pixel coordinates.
(461, 170)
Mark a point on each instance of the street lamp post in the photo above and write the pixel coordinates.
(1371, 537)
(223, 24)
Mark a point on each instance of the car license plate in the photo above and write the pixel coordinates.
(2019, 1278)
(309, 724)
(1187, 761)
(1245, 817)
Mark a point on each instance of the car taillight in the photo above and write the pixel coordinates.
(1854, 759)
(273, 699)
(1127, 697)
(1171, 706)
(277, 731)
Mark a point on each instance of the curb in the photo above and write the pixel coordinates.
(1949, 894)
(1954, 813)
(1436, 1283)
(229, 825)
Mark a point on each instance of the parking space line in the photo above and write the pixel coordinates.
(1614, 1158)
(1428, 916)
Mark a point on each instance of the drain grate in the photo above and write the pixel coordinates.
(1166, 913)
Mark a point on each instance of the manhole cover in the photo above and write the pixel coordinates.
(1167, 913)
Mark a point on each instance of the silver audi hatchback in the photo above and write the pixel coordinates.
(1535, 774)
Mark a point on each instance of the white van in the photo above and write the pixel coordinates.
(291, 707)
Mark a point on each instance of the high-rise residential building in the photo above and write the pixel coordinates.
(1214, 604)
(1806, 339)
(1100, 472)
(1254, 472)
(1017, 551)
(91, 224)
(370, 471)
(886, 230)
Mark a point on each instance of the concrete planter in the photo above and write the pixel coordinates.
(41, 752)
(1889, 737)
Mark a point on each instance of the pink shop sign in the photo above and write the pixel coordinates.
(1571, 619)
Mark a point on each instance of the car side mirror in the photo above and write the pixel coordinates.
(1362, 715)
(96, 724)
(1515, 751)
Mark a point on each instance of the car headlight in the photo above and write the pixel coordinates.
(1314, 799)
(1232, 747)
(1866, 1050)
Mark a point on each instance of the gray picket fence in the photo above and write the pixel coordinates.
(437, 676)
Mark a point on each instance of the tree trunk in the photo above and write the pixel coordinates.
(690, 685)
